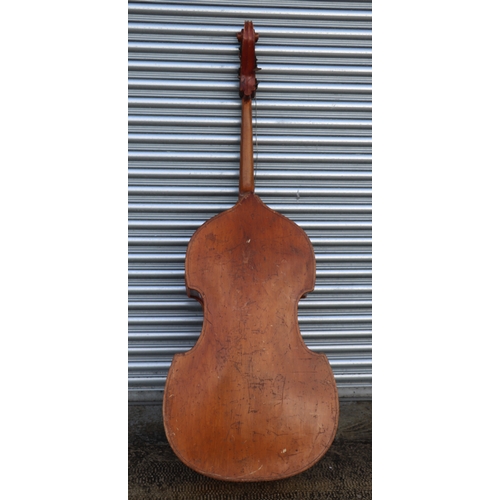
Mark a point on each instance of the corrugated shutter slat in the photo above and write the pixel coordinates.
(312, 122)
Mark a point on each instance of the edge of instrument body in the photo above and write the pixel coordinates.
(258, 475)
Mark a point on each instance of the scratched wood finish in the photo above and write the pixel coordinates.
(250, 401)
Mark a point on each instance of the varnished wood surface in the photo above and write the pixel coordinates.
(248, 82)
(246, 148)
(250, 402)
(344, 473)
(248, 87)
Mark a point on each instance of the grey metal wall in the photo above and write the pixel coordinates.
(312, 119)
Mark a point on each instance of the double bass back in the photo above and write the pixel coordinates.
(250, 402)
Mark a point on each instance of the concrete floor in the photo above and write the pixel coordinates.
(343, 473)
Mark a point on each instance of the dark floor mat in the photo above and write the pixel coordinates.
(343, 473)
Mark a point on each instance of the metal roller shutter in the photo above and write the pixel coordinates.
(312, 120)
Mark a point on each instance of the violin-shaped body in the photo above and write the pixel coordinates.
(250, 401)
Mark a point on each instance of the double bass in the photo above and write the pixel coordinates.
(250, 401)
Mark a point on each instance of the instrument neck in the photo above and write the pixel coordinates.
(246, 148)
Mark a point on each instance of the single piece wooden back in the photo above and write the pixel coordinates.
(250, 402)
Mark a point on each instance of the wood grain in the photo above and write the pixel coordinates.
(247, 184)
(250, 402)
